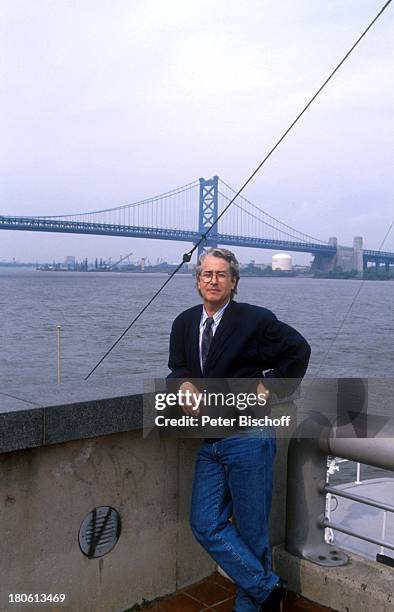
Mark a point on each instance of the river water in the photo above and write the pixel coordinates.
(94, 308)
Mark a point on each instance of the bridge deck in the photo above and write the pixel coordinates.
(40, 224)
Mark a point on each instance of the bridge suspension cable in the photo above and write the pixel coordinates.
(170, 210)
(297, 233)
(265, 223)
(157, 198)
(187, 256)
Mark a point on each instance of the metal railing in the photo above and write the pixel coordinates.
(333, 466)
(363, 500)
(307, 488)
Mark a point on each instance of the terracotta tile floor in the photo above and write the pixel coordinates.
(216, 594)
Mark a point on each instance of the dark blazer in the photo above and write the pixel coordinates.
(248, 341)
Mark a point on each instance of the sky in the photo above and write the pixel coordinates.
(108, 102)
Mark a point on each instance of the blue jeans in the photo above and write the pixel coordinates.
(233, 477)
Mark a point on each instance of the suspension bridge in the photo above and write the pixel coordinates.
(186, 213)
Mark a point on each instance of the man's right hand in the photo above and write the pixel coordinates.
(189, 403)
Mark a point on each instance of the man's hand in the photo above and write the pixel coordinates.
(262, 391)
(189, 401)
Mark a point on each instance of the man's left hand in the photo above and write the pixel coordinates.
(262, 391)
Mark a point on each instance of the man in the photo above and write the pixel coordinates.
(233, 475)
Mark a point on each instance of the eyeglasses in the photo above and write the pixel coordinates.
(208, 275)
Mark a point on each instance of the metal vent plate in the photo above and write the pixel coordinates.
(99, 531)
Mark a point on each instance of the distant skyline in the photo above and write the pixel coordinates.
(105, 103)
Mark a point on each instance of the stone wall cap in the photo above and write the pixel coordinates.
(40, 415)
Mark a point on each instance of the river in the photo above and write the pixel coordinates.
(94, 308)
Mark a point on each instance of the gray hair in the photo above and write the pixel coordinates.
(227, 256)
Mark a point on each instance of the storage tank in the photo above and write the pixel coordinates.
(282, 261)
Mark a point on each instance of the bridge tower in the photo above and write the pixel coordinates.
(208, 211)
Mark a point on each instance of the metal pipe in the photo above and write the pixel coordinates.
(306, 476)
(358, 477)
(58, 328)
(358, 498)
(383, 531)
(378, 452)
(337, 527)
(314, 439)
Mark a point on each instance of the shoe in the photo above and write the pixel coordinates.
(275, 600)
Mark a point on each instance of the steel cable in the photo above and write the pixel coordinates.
(187, 256)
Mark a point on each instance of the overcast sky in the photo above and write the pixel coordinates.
(105, 102)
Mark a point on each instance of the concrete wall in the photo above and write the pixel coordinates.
(358, 259)
(347, 258)
(81, 449)
(45, 493)
(361, 585)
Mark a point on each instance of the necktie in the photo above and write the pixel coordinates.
(207, 336)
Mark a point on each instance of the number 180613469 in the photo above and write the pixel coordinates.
(15, 598)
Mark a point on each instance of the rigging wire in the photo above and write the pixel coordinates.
(187, 256)
(135, 319)
(278, 142)
(349, 309)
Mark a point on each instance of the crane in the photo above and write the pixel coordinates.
(111, 266)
